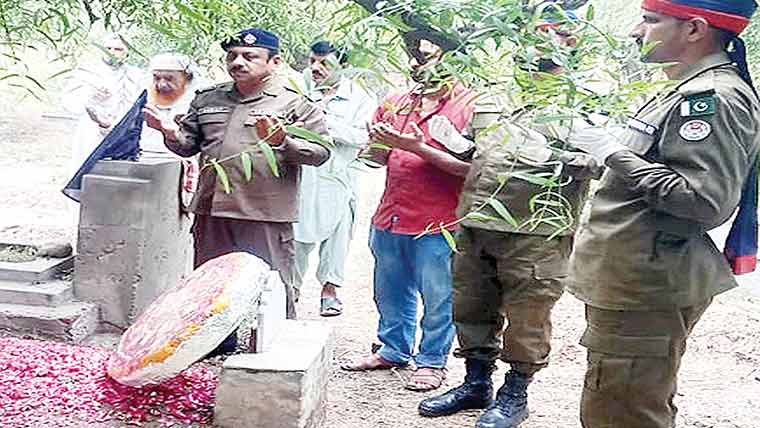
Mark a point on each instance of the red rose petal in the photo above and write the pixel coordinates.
(44, 382)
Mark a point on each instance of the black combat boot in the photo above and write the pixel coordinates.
(475, 393)
(511, 405)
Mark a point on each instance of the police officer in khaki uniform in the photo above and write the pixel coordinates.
(510, 270)
(227, 119)
(644, 265)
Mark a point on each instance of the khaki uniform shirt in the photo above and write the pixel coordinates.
(492, 162)
(646, 245)
(217, 126)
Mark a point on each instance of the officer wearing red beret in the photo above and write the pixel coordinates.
(645, 265)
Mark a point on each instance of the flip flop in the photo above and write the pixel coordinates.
(330, 307)
(426, 379)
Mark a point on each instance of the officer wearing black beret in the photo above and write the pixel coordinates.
(254, 207)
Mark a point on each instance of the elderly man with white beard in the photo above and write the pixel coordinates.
(172, 88)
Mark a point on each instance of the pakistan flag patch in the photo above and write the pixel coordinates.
(698, 106)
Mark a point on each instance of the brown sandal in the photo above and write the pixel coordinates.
(426, 379)
(372, 362)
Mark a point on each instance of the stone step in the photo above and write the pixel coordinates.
(41, 269)
(71, 321)
(49, 293)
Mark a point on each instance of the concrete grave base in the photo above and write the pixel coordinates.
(133, 242)
(285, 387)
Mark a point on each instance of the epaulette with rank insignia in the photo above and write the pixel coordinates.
(210, 87)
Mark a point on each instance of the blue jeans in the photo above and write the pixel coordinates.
(404, 267)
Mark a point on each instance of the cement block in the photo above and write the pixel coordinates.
(133, 241)
(285, 387)
(51, 293)
(271, 313)
(72, 321)
(41, 269)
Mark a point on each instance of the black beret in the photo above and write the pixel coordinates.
(253, 38)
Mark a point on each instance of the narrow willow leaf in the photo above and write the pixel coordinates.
(533, 179)
(548, 202)
(379, 146)
(557, 233)
(502, 179)
(271, 160)
(245, 159)
(308, 135)
(35, 81)
(590, 13)
(478, 216)
(187, 11)
(369, 162)
(222, 176)
(449, 239)
(296, 87)
(503, 212)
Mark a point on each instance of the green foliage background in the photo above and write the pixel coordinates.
(40, 40)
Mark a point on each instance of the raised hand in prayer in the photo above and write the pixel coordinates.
(386, 134)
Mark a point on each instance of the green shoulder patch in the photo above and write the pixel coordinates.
(698, 105)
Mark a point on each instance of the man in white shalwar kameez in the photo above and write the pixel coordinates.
(329, 192)
(99, 94)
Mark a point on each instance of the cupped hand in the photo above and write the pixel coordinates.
(386, 134)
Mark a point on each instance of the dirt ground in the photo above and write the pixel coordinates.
(720, 377)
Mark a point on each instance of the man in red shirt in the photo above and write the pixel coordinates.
(424, 179)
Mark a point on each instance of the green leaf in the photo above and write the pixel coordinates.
(271, 160)
(297, 87)
(478, 216)
(188, 12)
(590, 13)
(222, 174)
(308, 135)
(35, 81)
(503, 212)
(449, 239)
(378, 146)
(369, 162)
(245, 159)
(533, 179)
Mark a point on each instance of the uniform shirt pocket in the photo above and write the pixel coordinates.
(213, 126)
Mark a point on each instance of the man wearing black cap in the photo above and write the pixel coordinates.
(234, 117)
(644, 265)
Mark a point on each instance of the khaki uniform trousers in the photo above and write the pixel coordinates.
(272, 242)
(633, 362)
(510, 277)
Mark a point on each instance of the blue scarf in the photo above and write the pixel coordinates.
(122, 143)
(741, 246)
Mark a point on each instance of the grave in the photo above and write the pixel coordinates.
(133, 242)
(36, 299)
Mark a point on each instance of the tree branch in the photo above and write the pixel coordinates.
(423, 30)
